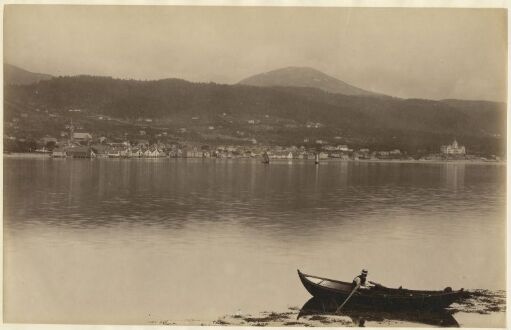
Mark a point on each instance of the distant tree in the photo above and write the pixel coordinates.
(30, 145)
(50, 145)
(10, 145)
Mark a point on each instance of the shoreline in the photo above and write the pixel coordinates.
(329, 160)
(481, 307)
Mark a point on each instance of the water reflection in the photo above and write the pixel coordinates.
(207, 191)
(454, 175)
(359, 317)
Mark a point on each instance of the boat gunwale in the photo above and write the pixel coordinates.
(321, 278)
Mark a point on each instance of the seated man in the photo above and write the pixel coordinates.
(361, 280)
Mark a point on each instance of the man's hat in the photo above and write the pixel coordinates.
(364, 271)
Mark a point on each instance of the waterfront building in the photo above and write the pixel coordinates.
(125, 153)
(81, 152)
(115, 151)
(156, 153)
(100, 150)
(82, 137)
(323, 155)
(59, 153)
(153, 153)
(194, 153)
(453, 149)
(136, 152)
(382, 154)
(47, 139)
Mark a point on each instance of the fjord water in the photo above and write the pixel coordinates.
(136, 241)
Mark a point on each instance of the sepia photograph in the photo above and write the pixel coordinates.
(245, 165)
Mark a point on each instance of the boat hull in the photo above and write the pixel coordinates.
(378, 297)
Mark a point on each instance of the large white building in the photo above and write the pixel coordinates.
(453, 149)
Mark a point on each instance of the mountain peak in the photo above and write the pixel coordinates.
(295, 76)
(297, 69)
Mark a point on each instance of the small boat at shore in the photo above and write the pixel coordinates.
(379, 296)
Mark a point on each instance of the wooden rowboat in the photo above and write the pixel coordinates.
(379, 296)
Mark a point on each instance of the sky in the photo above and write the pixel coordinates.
(403, 52)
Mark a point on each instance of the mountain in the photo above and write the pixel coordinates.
(213, 113)
(14, 75)
(305, 77)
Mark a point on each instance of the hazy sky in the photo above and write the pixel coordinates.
(427, 53)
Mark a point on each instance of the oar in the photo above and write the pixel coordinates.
(344, 303)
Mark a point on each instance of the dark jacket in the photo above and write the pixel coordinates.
(359, 280)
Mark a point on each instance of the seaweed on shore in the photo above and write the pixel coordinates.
(481, 302)
(259, 324)
(294, 323)
(271, 317)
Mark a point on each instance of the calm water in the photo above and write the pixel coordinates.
(135, 241)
